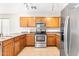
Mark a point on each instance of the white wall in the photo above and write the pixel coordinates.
(0, 26)
(14, 10)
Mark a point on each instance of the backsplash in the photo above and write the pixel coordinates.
(47, 30)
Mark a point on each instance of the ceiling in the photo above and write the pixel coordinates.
(48, 9)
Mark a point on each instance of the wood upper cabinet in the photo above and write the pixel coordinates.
(51, 40)
(30, 40)
(27, 22)
(23, 21)
(52, 22)
(39, 19)
(8, 48)
(31, 22)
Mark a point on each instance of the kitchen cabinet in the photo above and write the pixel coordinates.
(24, 21)
(30, 40)
(51, 40)
(39, 19)
(27, 22)
(22, 41)
(31, 22)
(17, 45)
(8, 48)
(58, 41)
(52, 22)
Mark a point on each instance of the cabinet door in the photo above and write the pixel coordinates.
(8, 47)
(23, 21)
(51, 40)
(17, 47)
(11, 49)
(30, 40)
(8, 50)
(52, 22)
(39, 19)
(31, 22)
(22, 42)
(58, 41)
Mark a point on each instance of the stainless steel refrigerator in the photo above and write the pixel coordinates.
(71, 30)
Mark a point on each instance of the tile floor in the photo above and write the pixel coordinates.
(32, 51)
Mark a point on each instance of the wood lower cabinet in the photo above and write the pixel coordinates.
(30, 40)
(54, 39)
(8, 48)
(22, 41)
(12, 47)
(17, 45)
(51, 40)
(58, 41)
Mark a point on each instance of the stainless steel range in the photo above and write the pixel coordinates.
(40, 40)
(40, 35)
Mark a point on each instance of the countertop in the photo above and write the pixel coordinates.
(12, 35)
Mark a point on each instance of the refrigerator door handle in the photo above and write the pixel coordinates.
(65, 35)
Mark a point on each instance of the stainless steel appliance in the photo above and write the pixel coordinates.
(40, 40)
(40, 35)
(71, 30)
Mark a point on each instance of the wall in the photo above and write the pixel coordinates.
(14, 10)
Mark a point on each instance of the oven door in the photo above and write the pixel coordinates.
(40, 38)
